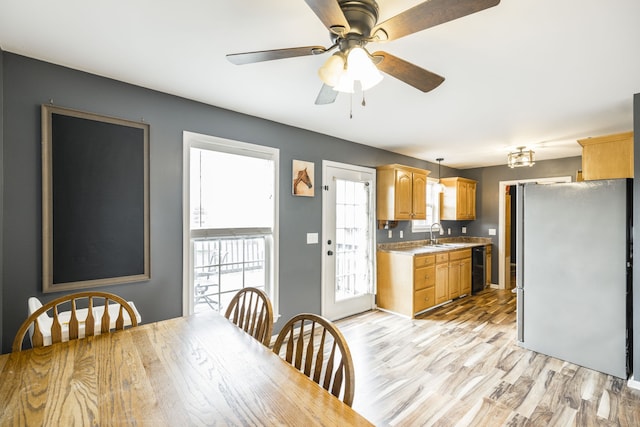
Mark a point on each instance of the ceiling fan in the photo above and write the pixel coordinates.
(354, 23)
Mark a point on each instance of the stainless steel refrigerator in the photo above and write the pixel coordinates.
(573, 272)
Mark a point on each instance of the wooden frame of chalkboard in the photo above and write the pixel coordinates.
(95, 200)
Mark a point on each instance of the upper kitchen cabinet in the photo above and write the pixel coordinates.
(607, 157)
(459, 199)
(401, 192)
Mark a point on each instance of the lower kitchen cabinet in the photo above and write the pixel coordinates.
(442, 278)
(459, 273)
(408, 284)
(405, 282)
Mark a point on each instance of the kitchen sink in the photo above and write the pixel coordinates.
(449, 245)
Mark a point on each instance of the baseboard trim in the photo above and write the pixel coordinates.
(633, 383)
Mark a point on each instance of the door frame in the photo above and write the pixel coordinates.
(325, 182)
(502, 187)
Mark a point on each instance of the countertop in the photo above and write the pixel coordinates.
(419, 247)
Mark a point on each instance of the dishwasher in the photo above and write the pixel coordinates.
(478, 265)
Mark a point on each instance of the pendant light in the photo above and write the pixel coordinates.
(439, 188)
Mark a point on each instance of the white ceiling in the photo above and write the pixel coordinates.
(535, 73)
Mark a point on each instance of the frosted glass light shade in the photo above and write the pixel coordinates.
(332, 69)
(360, 67)
(345, 83)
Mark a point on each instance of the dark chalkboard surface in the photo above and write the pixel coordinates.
(95, 200)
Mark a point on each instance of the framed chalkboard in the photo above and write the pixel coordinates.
(95, 200)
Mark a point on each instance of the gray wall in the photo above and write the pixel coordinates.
(487, 206)
(28, 83)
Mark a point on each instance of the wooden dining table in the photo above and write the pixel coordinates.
(186, 371)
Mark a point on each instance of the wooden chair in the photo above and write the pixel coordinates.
(76, 323)
(251, 310)
(316, 347)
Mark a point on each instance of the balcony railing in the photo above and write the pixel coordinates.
(223, 266)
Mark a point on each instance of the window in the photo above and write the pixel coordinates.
(433, 209)
(230, 215)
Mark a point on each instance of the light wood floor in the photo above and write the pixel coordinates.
(460, 366)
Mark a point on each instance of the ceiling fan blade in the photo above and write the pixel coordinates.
(429, 14)
(330, 14)
(327, 95)
(269, 55)
(409, 73)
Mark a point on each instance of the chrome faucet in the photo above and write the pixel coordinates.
(431, 240)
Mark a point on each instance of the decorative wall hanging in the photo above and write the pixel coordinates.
(303, 178)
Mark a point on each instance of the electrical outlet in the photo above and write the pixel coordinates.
(464, 230)
(390, 234)
(401, 234)
(449, 231)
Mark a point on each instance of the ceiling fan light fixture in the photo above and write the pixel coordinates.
(360, 67)
(332, 69)
(345, 83)
(521, 158)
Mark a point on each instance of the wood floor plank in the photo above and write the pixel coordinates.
(460, 365)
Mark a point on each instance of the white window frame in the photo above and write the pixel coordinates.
(207, 142)
(422, 225)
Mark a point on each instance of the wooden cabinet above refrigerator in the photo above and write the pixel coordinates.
(607, 157)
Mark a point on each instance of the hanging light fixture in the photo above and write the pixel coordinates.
(439, 188)
(520, 158)
(341, 71)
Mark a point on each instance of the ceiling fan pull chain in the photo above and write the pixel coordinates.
(351, 105)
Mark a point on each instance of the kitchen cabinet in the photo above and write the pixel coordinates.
(406, 283)
(607, 157)
(459, 273)
(458, 199)
(442, 278)
(401, 193)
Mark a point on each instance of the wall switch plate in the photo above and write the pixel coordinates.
(312, 238)
(449, 231)
(401, 234)
(390, 234)
(492, 232)
(464, 230)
